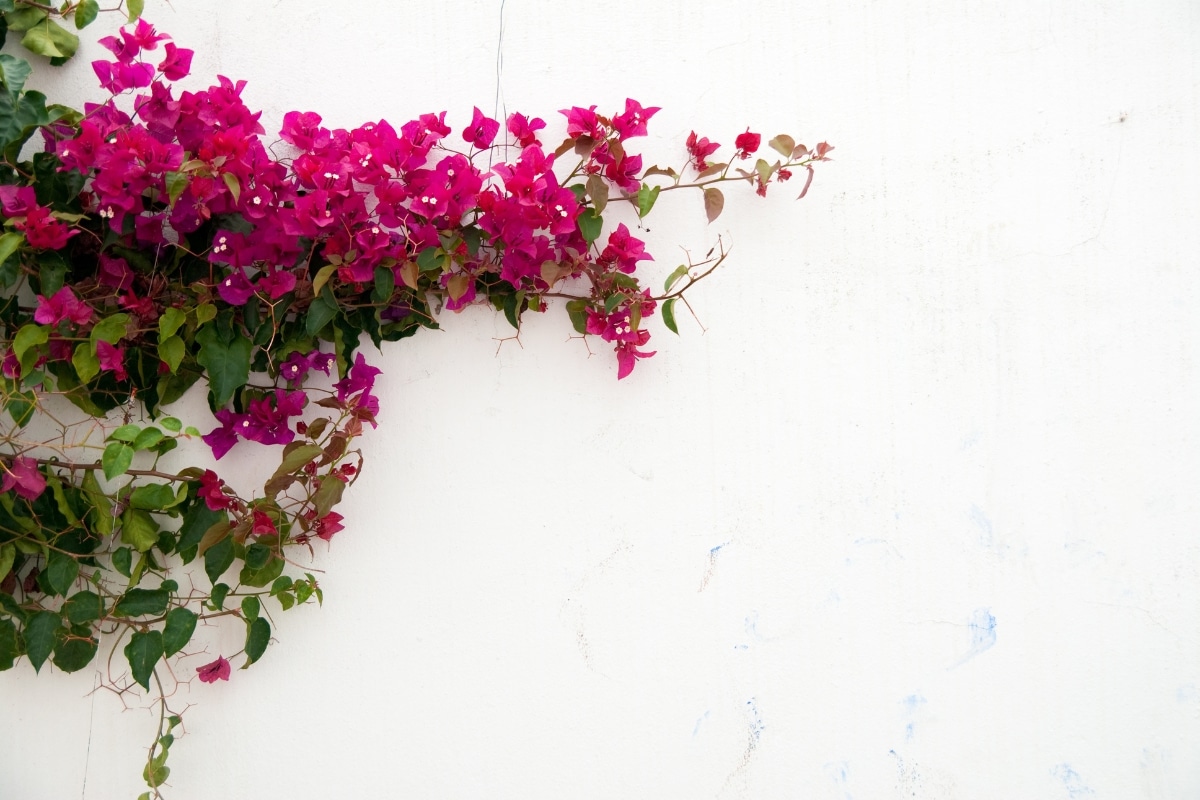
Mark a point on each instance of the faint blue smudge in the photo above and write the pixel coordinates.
(839, 773)
(911, 705)
(983, 631)
(756, 723)
(984, 524)
(1071, 781)
(700, 721)
(716, 549)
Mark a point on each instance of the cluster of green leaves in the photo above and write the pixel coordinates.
(41, 27)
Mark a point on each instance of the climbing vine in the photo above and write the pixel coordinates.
(160, 242)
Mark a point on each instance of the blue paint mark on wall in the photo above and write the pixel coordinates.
(911, 705)
(756, 723)
(983, 631)
(839, 773)
(1071, 781)
(700, 721)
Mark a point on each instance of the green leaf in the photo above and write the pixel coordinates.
(134, 7)
(144, 650)
(590, 224)
(116, 459)
(295, 456)
(61, 571)
(512, 308)
(142, 602)
(75, 651)
(10, 647)
(577, 311)
(138, 528)
(612, 301)
(679, 272)
(171, 352)
(154, 497)
(219, 557)
(177, 632)
(258, 635)
(29, 336)
(262, 576)
(100, 506)
(148, 438)
(198, 520)
(227, 363)
(24, 18)
(87, 366)
(250, 607)
(232, 184)
(714, 202)
(111, 329)
(668, 315)
(385, 284)
(122, 559)
(217, 598)
(645, 198)
(783, 144)
(322, 309)
(126, 433)
(50, 39)
(85, 13)
(177, 182)
(322, 277)
(84, 607)
(41, 633)
(170, 321)
(13, 72)
(8, 554)
(171, 423)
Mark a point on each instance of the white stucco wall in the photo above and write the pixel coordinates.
(916, 517)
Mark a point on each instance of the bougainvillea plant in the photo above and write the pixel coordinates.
(158, 242)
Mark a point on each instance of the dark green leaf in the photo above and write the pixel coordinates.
(85, 13)
(153, 497)
(218, 558)
(144, 650)
(258, 634)
(181, 624)
(590, 224)
(13, 72)
(122, 559)
(198, 519)
(512, 308)
(385, 284)
(8, 554)
(61, 571)
(84, 607)
(75, 651)
(10, 646)
(668, 315)
(295, 456)
(250, 607)
(41, 632)
(217, 598)
(263, 576)
(577, 311)
(227, 363)
(142, 602)
(323, 308)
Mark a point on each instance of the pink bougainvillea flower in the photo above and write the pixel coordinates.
(628, 355)
(361, 378)
(236, 289)
(624, 172)
(112, 358)
(482, 130)
(263, 524)
(699, 150)
(624, 250)
(582, 122)
(277, 283)
(177, 64)
(23, 475)
(222, 439)
(212, 490)
(633, 121)
(216, 671)
(17, 201)
(746, 143)
(328, 525)
(524, 130)
(143, 36)
(116, 76)
(63, 305)
(303, 130)
(43, 231)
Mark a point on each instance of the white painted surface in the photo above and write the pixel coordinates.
(916, 517)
